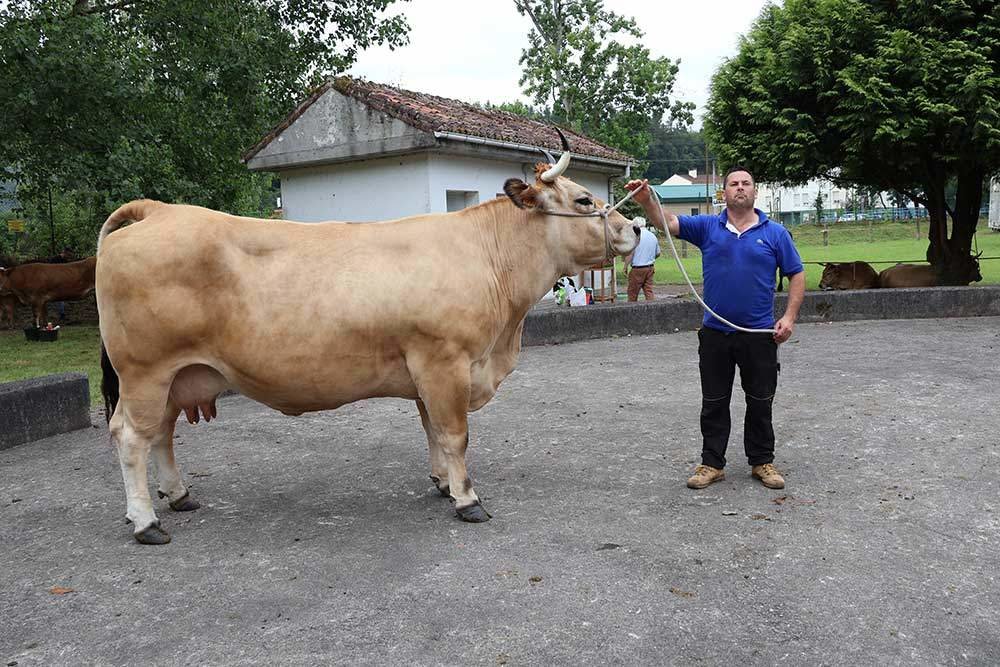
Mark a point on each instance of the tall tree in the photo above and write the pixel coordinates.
(576, 66)
(117, 99)
(674, 150)
(897, 95)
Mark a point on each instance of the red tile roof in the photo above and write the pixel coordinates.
(430, 113)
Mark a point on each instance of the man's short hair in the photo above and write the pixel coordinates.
(738, 167)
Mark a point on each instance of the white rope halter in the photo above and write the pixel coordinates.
(609, 252)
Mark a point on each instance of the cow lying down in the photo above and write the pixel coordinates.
(193, 302)
(848, 275)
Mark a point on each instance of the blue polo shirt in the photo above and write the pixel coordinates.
(739, 270)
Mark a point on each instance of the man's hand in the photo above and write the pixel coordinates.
(642, 196)
(783, 329)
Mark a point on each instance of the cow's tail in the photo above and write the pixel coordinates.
(134, 211)
(109, 384)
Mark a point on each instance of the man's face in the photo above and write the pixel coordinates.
(740, 191)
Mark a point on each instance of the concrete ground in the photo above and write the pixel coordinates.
(321, 539)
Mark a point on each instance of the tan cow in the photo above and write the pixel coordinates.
(921, 275)
(36, 284)
(305, 317)
(909, 275)
(848, 275)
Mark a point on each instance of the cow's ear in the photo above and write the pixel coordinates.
(522, 194)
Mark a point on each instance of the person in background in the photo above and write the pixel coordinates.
(741, 249)
(639, 264)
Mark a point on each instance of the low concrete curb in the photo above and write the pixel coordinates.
(563, 325)
(40, 407)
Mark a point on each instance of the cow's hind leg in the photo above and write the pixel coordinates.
(439, 465)
(138, 424)
(443, 385)
(171, 483)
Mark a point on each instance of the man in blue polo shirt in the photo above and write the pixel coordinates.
(741, 249)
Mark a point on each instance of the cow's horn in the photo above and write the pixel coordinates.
(548, 155)
(555, 172)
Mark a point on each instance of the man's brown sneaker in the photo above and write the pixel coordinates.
(705, 475)
(768, 476)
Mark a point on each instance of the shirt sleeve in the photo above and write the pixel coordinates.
(788, 255)
(693, 229)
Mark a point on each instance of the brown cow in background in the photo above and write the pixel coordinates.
(920, 275)
(37, 284)
(909, 275)
(848, 275)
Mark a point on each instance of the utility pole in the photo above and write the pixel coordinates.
(708, 200)
(52, 225)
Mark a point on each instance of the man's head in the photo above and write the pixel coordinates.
(740, 190)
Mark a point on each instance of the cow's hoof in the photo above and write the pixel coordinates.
(445, 490)
(473, 513)
(183, 504)
(152, 535)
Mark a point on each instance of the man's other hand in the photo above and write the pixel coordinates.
(783, 330)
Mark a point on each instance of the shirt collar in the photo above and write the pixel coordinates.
(761, 216)
(724, 219)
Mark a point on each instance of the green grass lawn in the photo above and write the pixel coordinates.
(78, 349)
(892, 242)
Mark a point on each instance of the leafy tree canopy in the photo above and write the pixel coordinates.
(893, 94)
(674, 150)
(113, 100)
(577, 66)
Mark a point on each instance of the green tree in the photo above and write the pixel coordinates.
(575, 66)
(113, 100)
(674, 150)
(895, 95)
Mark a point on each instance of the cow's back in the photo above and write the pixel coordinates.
(908, 275)
(37, 280)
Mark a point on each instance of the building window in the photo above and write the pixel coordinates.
(459, 199)
(695, 211)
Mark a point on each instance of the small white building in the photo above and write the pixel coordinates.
(360, 151)
(994, 219)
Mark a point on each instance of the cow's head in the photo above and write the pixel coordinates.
(583, 238)
(4, 279)
(838, 275)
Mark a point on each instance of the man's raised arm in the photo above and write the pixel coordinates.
(651, 206)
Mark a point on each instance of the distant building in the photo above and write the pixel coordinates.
(995, 204)
(686, 194)
(361, 151)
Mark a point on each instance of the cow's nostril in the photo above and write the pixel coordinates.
(636, 229)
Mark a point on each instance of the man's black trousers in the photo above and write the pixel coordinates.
(756, 355)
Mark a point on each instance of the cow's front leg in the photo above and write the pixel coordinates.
(439, 466)
(171, 484)
(40, 314)
(443, 385)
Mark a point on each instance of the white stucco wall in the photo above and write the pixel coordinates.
(390, 188)
(448, 172)
(363, 191)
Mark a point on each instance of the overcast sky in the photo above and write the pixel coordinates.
(469, 50)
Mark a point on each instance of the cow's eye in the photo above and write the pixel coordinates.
(584, 201)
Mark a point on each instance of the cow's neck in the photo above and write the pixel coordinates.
(518, 250)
